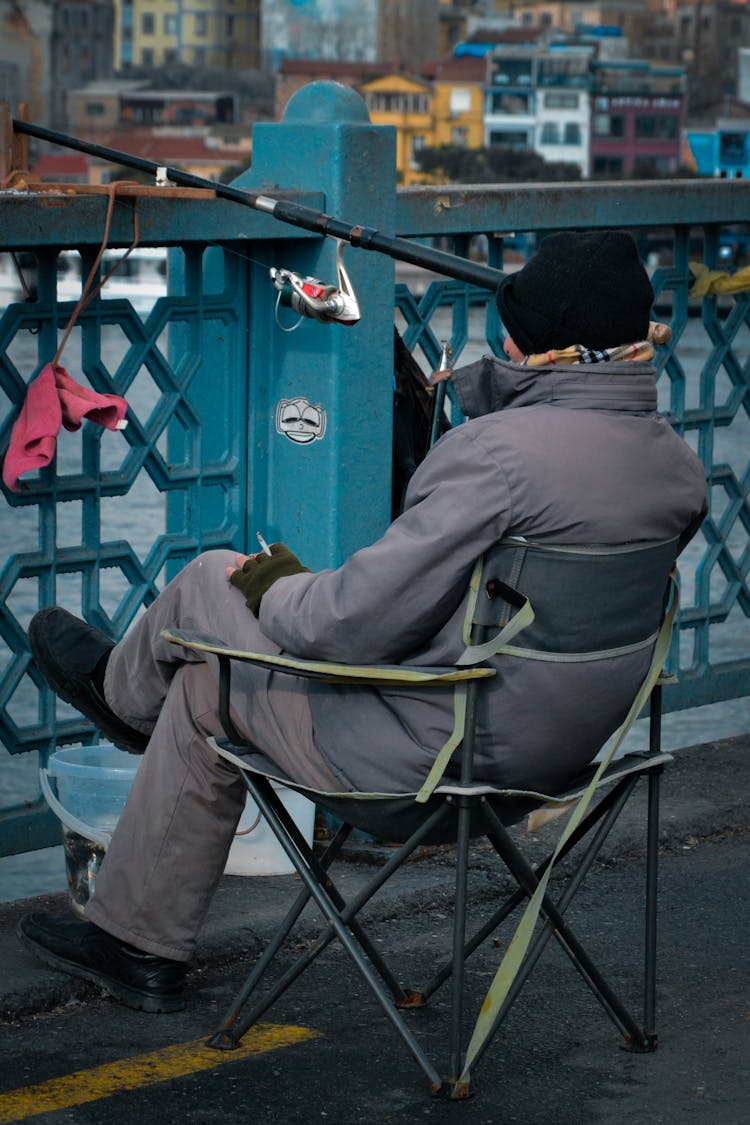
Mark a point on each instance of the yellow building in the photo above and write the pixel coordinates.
(202, 33)
(445, 110)
(406, 103)
(458, 106)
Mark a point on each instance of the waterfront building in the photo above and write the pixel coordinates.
(47, 49)
(205, 33)
(96, 106)
(196, 153)
(406, 102)
(637, 118)
(537, 100)
(81, 49)
(124, 105)
(408, 32)
(723, 152)
(25, 33)
(458, 101)
(345, 30)
(630, 17)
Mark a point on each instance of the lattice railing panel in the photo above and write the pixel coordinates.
(99, 528)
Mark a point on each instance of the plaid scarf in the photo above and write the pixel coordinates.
(576, 353)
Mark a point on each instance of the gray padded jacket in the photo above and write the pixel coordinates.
(566, 454)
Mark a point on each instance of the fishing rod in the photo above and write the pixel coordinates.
(286, 211)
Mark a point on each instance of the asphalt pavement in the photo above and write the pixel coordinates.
(327, 1053)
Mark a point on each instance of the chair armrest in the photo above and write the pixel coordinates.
(385, 675)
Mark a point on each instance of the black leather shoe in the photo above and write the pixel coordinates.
(137, 979)
(67, 651)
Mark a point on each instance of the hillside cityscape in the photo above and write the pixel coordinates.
(477, 90)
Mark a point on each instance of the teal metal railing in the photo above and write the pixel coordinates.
(207, 367)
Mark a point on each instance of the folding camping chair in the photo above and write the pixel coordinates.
(580, 603)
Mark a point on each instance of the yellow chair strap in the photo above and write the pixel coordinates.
(516, 951)
(445, 752)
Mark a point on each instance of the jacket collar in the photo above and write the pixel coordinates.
(493, 384)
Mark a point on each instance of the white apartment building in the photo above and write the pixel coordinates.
(538, 100)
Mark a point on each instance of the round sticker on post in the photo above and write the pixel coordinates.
(300, 421)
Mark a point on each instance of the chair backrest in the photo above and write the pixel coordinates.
(588, 602)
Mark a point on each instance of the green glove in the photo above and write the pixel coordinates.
(261, 571)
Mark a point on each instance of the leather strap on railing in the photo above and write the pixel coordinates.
(87, 293)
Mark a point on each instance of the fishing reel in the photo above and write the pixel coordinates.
(317, 299)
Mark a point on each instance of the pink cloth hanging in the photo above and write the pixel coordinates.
(54, 399)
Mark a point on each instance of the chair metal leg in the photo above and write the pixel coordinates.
(526, 877)
(518, 896)
(652, 862)
(403, 998)
(227, 1036)
(339, 914)
(459, 936)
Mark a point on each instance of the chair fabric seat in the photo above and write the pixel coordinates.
(394, 817)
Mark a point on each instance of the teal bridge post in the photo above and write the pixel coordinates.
(239, 422)
(320, 410)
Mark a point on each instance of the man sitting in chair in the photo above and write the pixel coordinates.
(562, 445)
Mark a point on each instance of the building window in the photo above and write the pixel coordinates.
(550, 133)
(510, 103)
(170, 24)
(732, 148)
(512, 72)
(561, 101)
(201, 24)
(648, 166)
(147, 56)
(663, 127)
(94, 109)
(609, 125)
(608, 166)
(171, 55)
(148, 23)
(229, 27)
(417, 144)
(384, 102)
(562, 72)
(572, 133)
(460, 99)
(460, 137)
(517, 139)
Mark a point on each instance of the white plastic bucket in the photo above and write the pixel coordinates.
(93, 783)
(255, 850)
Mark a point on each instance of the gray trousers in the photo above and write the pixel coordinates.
(171, 843)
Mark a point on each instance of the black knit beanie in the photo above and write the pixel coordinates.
(578, 288)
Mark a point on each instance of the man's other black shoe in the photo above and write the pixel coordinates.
(137, 979)
(67, 651)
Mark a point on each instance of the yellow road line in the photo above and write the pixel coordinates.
(142, 1070)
